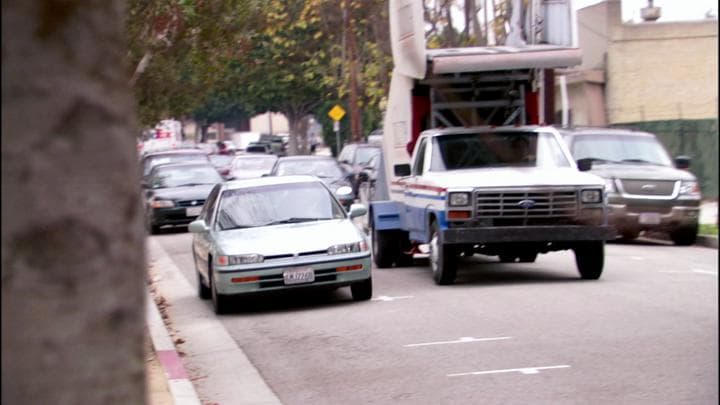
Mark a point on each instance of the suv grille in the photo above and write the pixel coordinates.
(649, 187)
(526, 207)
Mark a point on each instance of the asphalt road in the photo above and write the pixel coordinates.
(645, 333)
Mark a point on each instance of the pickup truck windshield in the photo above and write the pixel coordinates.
(497, 149)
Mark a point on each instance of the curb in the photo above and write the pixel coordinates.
(181, 388)
(707, 241)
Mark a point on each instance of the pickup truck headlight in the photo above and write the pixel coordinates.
(689, 188)
(348, 248)
(224, 260)
(459, 199)
(591, 196)
(162, 203)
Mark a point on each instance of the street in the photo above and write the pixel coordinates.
(645, 333)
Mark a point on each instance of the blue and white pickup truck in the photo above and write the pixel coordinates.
(511, 191)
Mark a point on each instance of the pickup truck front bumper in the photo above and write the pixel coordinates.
(501, 234)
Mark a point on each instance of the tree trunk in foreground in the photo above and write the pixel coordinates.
(73, 259)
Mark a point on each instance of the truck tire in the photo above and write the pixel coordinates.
(384, 248)
(590, 258)
(684, 236)
(442, 258)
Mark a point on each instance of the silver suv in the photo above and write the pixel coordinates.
(646, 190)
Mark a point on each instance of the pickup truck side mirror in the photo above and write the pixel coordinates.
(584, 164)
(402, 170)
(682, 162)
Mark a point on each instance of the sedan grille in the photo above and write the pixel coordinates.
(190, 203)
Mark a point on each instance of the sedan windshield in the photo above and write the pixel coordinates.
(276, 204)
(497, 149)
(326, 168)
(172, 158)
(185, 176)
(606, 148)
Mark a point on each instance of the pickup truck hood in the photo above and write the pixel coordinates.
(288, 238)
(512, 177)
(640, 172)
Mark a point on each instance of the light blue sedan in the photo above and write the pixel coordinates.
(275, 233)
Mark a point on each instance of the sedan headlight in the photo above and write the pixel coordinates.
(162, 203)
(224, 260)
(689, 188)
(591, 196)
(348, 248)
(459, 199)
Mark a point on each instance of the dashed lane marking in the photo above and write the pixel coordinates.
(524, 370)
(461, 340)
(386, 298)
(713, 273)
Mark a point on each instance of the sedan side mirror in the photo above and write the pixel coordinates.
(198, 226)
(357, 210)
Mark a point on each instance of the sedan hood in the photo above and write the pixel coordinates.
(514, 177)
(640, 172)
(248, 174)
(199, 192)
(288, 238)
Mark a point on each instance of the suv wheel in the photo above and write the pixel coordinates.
(685, 236)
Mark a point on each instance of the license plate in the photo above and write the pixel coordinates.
(299, 275)
(649, 218)
(192, 211)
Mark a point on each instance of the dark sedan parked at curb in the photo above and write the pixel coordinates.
(324, 167)
(277, 233)
(175, 193)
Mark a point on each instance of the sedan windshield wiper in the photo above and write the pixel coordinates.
(193, 184)
(600, 160)
(638, 161)
(294, 220)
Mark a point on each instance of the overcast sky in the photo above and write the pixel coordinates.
(672, 10)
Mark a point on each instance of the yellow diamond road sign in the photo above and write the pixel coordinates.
(336, 113)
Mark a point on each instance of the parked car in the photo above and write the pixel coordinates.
(324, 167)
(153, 159)
(175, 193)
(222, 163)
(258, 147)
(249, 166)
(645, 190)
(353, 157)
(253, 236)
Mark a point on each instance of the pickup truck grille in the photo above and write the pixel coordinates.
(531, 207)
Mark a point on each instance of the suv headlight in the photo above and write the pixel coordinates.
(591, 196)
(348, 248)
(459, 199)
(162, 203)
(224, 260)
(689, 188)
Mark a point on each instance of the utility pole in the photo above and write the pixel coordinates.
(355, 131)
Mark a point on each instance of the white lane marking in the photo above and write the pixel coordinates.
(524, 370)
(386, 298)
(637, 257)
(461, 340)
(714, 273)
(672, 271)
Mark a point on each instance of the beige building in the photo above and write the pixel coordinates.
(640, 72)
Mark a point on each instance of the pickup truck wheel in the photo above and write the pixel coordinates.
(528, 257)
(384, 248)
(685, 236)
(442, 259)
(362, 290)
(590, 257)
(507, 258)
